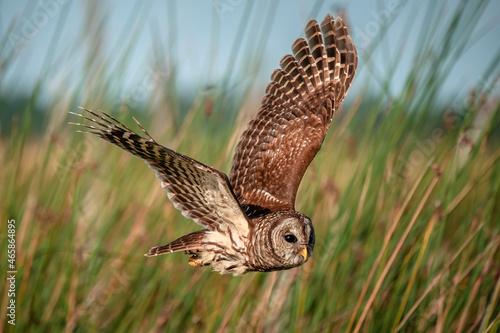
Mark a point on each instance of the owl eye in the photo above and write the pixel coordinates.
(290, 238)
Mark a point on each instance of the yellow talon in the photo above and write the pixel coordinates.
(195, 261)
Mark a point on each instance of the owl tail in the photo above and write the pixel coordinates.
(190, 242)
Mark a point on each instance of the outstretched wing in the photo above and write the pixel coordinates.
(200, 192)
(287, 132)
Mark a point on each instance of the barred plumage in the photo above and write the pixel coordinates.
(250, 220)
(294, 117)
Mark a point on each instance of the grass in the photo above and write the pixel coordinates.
(404, 197)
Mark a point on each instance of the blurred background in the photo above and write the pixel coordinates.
(404, 194)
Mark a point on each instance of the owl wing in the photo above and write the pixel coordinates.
(281, 141)
(200, 192)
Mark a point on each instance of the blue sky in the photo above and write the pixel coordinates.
(195, 23)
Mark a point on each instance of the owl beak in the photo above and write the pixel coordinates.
(303, 252)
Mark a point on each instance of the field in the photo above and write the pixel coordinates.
(404, 196)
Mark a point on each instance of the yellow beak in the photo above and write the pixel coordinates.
(303, 253)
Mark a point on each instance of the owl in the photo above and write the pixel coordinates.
(249, 217)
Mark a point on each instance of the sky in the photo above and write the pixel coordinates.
(207, 36)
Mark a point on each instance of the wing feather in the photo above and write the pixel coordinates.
(281, 141)
(200, 192)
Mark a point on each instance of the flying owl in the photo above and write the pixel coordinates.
(249, 217)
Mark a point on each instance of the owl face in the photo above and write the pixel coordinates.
(292, 239)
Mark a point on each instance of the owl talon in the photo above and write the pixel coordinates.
(195, 261)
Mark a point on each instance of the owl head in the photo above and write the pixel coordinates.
(291, 238)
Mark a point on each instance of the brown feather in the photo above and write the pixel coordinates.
(281, 141)
(199, 191)
(190, 242)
